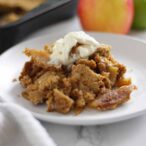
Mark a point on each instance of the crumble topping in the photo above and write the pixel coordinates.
(94, 79)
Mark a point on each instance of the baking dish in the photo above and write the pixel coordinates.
(48, 13)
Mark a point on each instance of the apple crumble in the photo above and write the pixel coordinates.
(74, 73)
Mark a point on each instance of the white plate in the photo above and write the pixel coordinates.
(128, 51)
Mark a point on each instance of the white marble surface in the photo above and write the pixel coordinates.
(127, 133)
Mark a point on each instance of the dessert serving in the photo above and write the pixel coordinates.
(74, 73)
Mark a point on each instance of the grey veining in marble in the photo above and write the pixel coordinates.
(127, 133)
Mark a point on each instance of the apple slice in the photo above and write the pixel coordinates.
(106, 15)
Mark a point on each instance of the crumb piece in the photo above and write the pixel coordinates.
(14, 80)
(62, 103)
(113, 98)
(90, 63)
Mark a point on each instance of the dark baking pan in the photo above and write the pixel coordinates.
(48, 13)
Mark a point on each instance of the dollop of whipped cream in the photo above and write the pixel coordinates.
(62, 48)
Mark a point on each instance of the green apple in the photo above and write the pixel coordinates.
(140, 14)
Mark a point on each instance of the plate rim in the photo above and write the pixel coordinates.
(83, 122)
(88, 32)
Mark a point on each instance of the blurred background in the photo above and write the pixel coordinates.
(24, 19)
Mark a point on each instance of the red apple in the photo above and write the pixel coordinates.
(106, 15)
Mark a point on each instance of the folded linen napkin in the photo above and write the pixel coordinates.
(19, 128)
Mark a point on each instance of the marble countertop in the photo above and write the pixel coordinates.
(127, 133)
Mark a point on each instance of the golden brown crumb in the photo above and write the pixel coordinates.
(36, 53)
(62, 103)
(50, 102)
(113, 98)
(90, 63)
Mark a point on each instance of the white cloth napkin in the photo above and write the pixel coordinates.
(19, 128)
